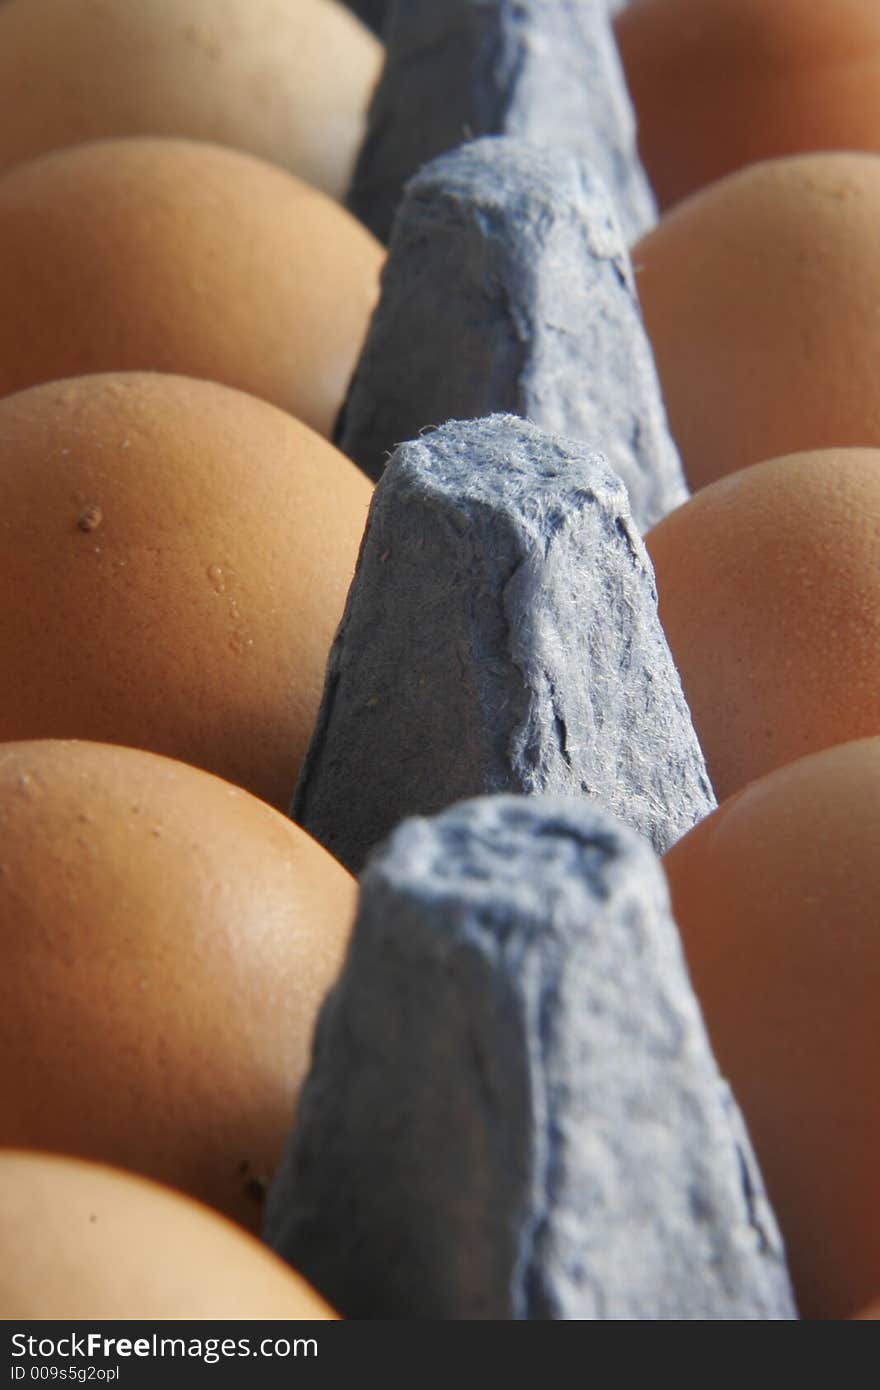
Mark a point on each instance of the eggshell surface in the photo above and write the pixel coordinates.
(759, 297)
(175, 256)
(166, 940)
(289, 80)
(79, 1242)
(776, 896)
(870, 1314)
(174, 559)
(769, 596)
(719, 84)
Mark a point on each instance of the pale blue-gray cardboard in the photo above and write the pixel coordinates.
(545, 70)
(513, 1110)
(508, 287)
(500, 634)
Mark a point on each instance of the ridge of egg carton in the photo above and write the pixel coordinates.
(514, 261)
(468, 1007)
(374, 13)
(501, 634)
(513, 1109)
(545, 70)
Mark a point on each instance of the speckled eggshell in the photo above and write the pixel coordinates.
(776, 897)
(177, 256)
(81, 1242)
(166, 940)
(289, 80)
(174, 559)
(719, 84)
(769, 595)
(760, 301)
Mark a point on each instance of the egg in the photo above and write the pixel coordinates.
(776, 896)
(769, 596)
(81, 1242)
(289, 80)
(176, 256)
(869, 1314)
(719, 84)
(174, 559)
(166, 940)
(759, 297)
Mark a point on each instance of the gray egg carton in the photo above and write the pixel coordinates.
(501, 635)
(513, 1109)
(508, 288)
(375, 12)
(546, 70)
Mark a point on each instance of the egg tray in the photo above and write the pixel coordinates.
(513, 1109)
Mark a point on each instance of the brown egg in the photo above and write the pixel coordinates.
(869, 1314)
(759, 297)
(174, 559)
(776, 896)
(769, 595)
(82, 1242)
(288, 80)
(175, 256)
(166, 940)
(719, 84)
